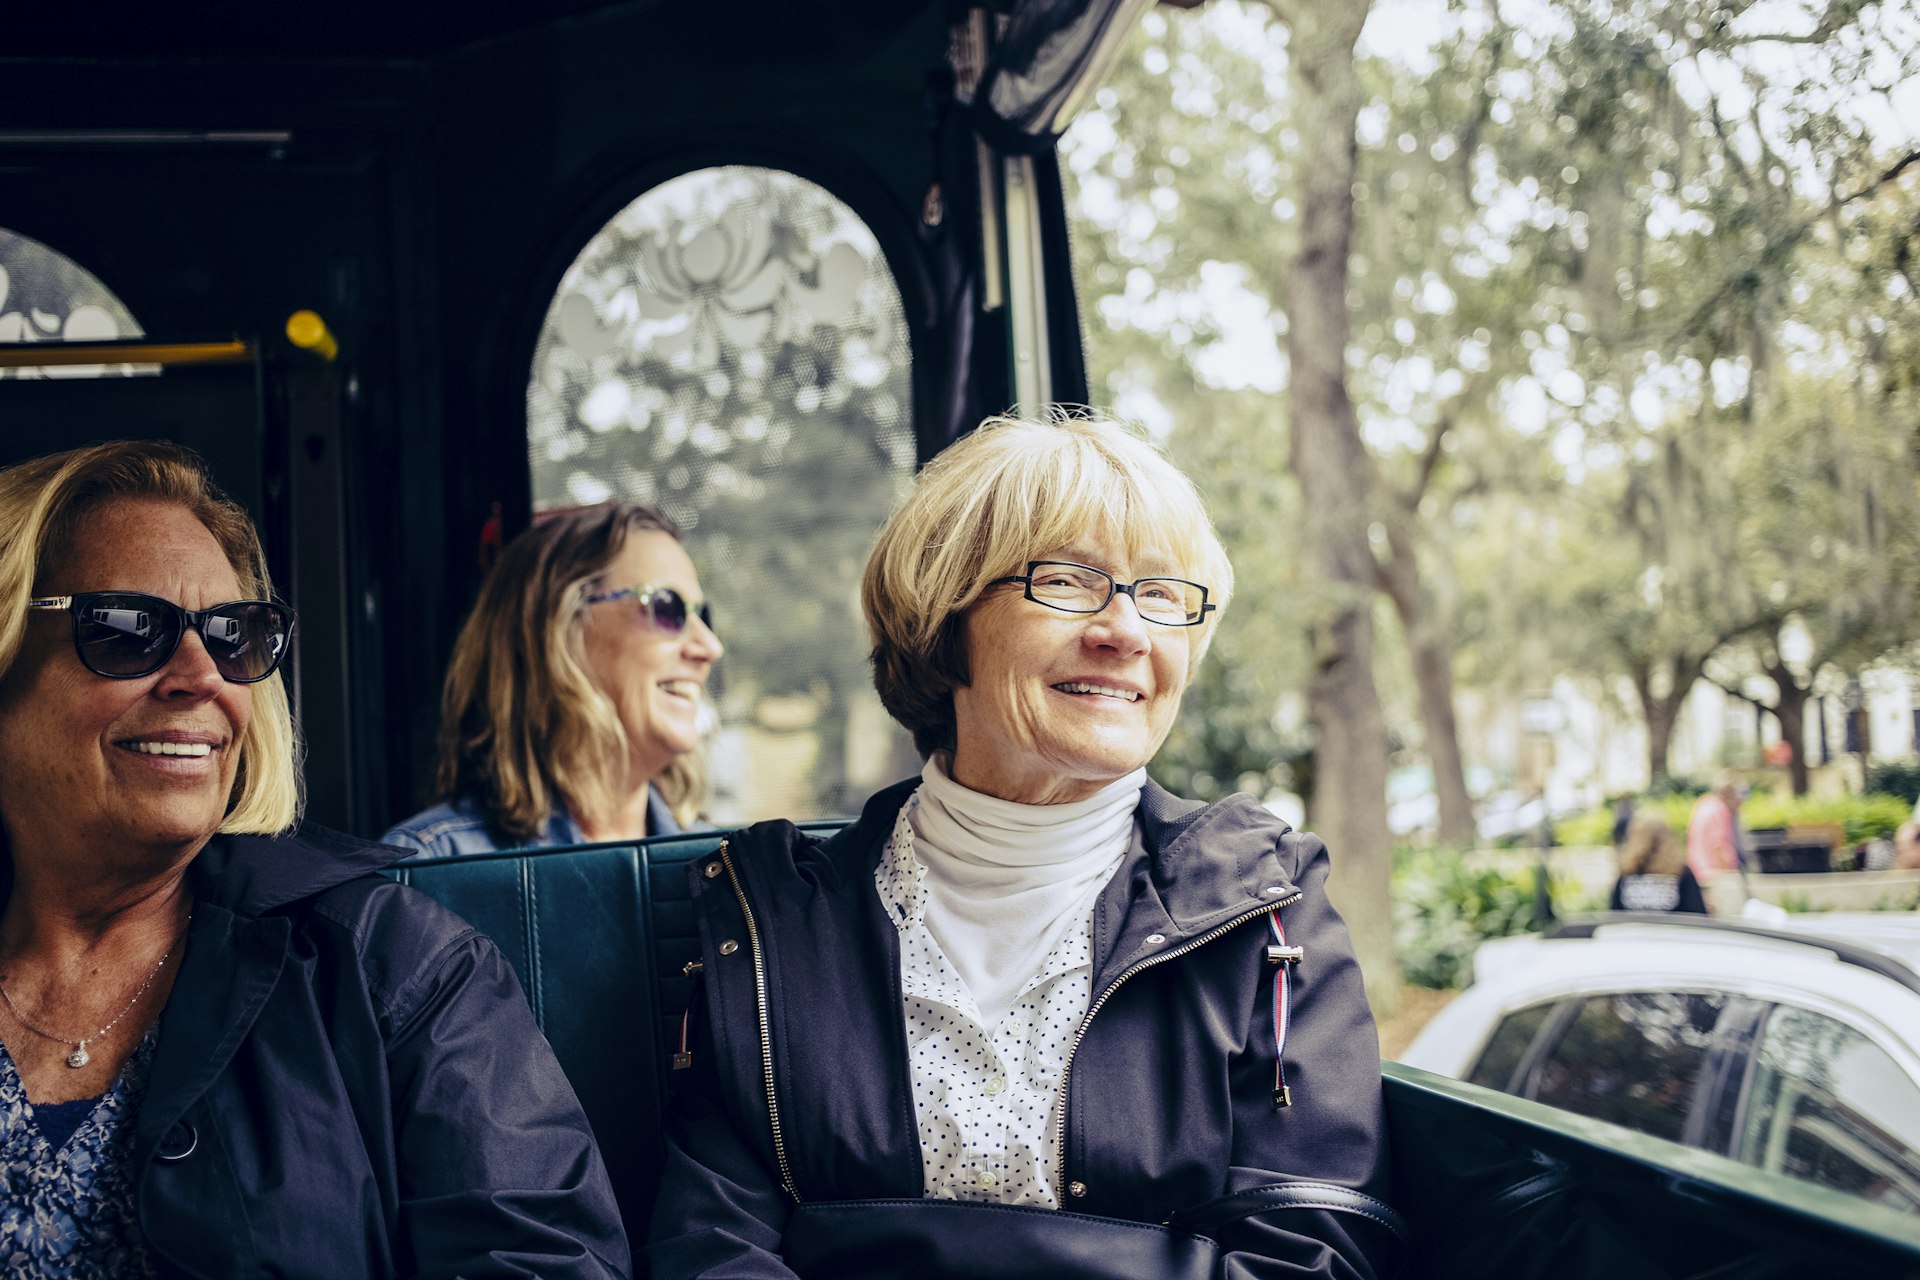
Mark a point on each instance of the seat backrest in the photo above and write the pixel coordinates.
(600, 936)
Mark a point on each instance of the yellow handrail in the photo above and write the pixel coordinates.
(39, 355)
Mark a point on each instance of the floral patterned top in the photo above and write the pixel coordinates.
(67, 1212)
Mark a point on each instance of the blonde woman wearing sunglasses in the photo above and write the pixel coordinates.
(226, 1046)
(573, 704)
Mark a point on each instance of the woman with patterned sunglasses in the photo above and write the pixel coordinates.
(573, 707)
(226, 1047)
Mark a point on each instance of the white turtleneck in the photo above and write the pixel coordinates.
(1006, 881)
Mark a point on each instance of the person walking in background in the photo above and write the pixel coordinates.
(1622, 819)
(1713, 831)
(573, 705)
(1654, 875)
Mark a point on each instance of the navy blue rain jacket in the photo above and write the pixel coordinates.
(1170, 1113)
(349, 1083)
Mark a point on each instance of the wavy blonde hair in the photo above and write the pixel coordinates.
(42, 503)
(1651, 848)
(1015, 489)
(523, 726)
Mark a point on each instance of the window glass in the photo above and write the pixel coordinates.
(1508, 1047)
(1827, 1105)
(731, 348)
(46, 296)
(1633, 1059)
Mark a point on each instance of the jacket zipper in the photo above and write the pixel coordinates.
(1066, 1071)
(766, 1025)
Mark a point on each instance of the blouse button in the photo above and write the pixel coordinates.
(995, 1084)
(988, 1182)
(177, 1143)
(728, 947)
(1076, 1189)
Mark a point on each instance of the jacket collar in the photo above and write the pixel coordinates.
(1204, 861)
(254, 875)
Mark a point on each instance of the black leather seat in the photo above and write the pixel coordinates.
(600, 936)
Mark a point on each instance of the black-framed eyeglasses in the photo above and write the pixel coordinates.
(123, 635)
(1081, 588)
(664, 608)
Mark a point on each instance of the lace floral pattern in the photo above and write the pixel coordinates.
(69, 1213)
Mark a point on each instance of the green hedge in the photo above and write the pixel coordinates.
(1862, 817)
(1902, 780)
(1443, 909)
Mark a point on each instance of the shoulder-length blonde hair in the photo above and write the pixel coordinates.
(1651, 848)
(1013, 490)
(523, 726)
(42, 503)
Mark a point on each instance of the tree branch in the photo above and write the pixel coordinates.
(1772, 251)
(1741, 694)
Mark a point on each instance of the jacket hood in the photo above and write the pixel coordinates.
(253, 875)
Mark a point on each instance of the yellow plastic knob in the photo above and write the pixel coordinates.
(307, 330)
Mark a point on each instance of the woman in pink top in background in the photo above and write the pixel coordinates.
(1713, 841)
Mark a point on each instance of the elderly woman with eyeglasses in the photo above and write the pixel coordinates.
(573, 706)
(227, 1048)
(1030, 1015)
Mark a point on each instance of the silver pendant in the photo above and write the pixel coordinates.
(79, 1057)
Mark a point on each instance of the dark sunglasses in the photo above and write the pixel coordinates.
(126, 634)
(665, 608)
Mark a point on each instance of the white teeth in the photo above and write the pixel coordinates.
(171, 748)
(1082, 687)
(681, 688)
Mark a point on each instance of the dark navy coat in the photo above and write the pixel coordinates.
(349, 1083)
(1171, 1111)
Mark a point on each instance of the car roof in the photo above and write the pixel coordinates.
(1886, 943)
(1866, 975)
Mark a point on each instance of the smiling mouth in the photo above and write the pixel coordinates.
(688, 689)
(190, 749)
(1098, 690)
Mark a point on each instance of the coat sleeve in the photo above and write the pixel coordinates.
(1307, 1188)
(498, 1172)
(721, 1211)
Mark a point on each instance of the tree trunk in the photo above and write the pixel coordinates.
(1662, 711)
(1334, 471)
(1790, 707)
(1430, 643)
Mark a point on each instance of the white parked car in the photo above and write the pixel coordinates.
(1793, 1047)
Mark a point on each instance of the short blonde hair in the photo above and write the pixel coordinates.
(1015, 489)
(42, 503)
(1651, 848)
(523, 726)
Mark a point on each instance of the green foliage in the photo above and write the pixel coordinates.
(1901, 780)
(1861, 817)
(1594, 828)
(1443, 909)
(1865, 817)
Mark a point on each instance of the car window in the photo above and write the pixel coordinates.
(1506, 1050)
(1827, 1105)
(1633, 1059)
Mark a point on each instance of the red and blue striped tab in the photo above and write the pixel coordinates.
(1282, 1007)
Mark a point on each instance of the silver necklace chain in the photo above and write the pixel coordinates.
(80, 1057)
